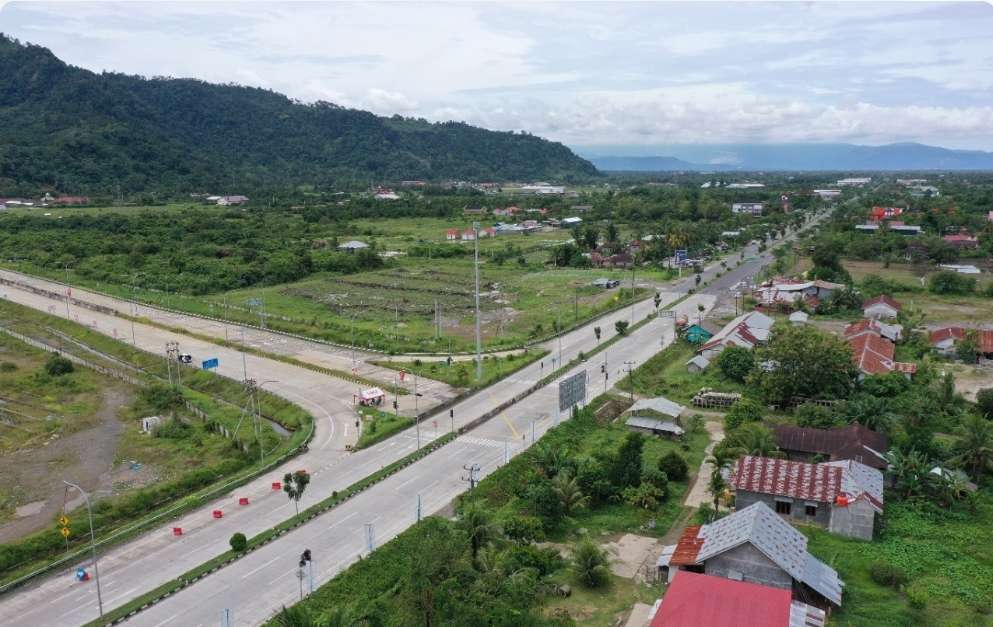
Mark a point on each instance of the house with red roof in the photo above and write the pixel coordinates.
(843, 496)
(892, 332)
(747, 330)
(882, 306)
(452, 234)
(754, 545)
(877, 214)
(962, 241)
(695, 600)
(944, 340)
(874, 354)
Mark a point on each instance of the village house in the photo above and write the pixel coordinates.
(854, 181)
(697, 364)
(747, 330)
(783, 292)
(843, 496)
(352, 246)
(827, 194)
(882, 306)
(655, 416)
(878, 214)
(798, 318)
(571, 221)
(699, 333)
(960, 268)
(892, 332)
(754, 208)
(385, 193)
(474, 211)
(695, 600)
(607, 260)
(755, 545)
(507, 211)
(452, 234)
(945, 339)
(854, 441)
(874, 354)
(962, 241)
(905, 229)
(227, 201)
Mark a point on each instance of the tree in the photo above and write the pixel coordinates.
(477, 524)
(523, 529)
(984, 401)
(909, 471)
(596, 332)
(716, 486)
(294, 484)
(626, 467)
(645, 495)
(589, 564)
(967, 348)
(612, 232)
(57, 365)
(826, 256)
(754, 439)
(238, 542)
(674, 466)
(567, 489)
(975, 449)
(621, 326)
(736, 362)
(805, 362)
(813, 415)
(745, 410)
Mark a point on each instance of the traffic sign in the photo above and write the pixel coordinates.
(65, 532)
(64, 520)
(211, 363)
(572, 390)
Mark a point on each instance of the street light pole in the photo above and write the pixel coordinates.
(630, 379)
(93, 544)
(68, 291)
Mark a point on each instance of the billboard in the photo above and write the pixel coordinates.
(572, 391)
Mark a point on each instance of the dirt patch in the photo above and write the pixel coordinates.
(34, 476)
(630, 554)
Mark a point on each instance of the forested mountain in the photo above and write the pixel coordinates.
(75, 131)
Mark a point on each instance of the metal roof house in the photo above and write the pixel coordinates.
(697, 364)
(844, 496)
(755, 545)
(659, 405)
(353, 245)
(850, 442)
(694, 600)
(652, 426)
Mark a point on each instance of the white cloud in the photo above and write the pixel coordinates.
(583, 73)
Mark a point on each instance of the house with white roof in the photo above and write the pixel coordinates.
(747, 330)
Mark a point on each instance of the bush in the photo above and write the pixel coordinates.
(984, 401)
(57, 365)
(589, 564)
(523, 529)
(674, 466)
(8, 367)
(817, 416)
(949, 282)
(239, 542)
(736, 362)
(886, 574)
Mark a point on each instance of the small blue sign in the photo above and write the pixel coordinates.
(681, 255)
(210, 363)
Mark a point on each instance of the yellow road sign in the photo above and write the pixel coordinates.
(64, 520)
(65, 532)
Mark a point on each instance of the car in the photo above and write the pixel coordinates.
(184, 358)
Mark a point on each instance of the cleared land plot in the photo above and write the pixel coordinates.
(665, 375)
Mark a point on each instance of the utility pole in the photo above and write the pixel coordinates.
(472, 478)
(68, 291)
(417, 414)
(93, 543)
(370, 537)
(606, 374)
(172, 353)
(418, 508)
(479, 341)
(560, 338)
(630, 379)
(244, 358)
(633, 300)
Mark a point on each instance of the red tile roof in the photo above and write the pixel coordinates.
(695, 600)
(688, 547)
(882, 298)
(947, 333)
(986, 341)
(780, 477)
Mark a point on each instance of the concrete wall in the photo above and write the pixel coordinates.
(753, 566)
(798, 511)
(857, 520)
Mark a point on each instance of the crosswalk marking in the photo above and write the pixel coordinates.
(486, 442)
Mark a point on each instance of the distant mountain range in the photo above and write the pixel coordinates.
(752, 157)
(69, 129)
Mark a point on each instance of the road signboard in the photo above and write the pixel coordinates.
(65, 532)
(211, 363)
(64, 520)
(572, 391)
(667, 313)
(681, 255)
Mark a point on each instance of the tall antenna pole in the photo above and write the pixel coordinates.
(479, 342)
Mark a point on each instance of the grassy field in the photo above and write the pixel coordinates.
(947, 557)
(377, 425)
(665, 375)
(462, 373)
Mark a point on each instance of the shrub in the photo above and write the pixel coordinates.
(886, 574)
(8, 367)
(239, 542)
(57, 365)
(813, 415)
(589, 564)
(674, 466)
(984, 400)
(950, 282)
(523, 529)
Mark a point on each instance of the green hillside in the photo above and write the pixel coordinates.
(72, 130)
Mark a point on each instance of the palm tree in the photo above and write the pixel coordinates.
(976, 446)
(755, 439)
(910, 470)
(476, 523)
(548, 459)
(589, 564)
(716, 484)
(566, 488)
(298, 616)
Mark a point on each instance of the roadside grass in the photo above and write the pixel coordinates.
(947, 556)
(665, 375)
(378, 425)
(462, 373)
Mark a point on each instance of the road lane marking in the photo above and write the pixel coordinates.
(333, 525)
(255, 570)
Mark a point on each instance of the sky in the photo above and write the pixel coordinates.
(582, 73)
